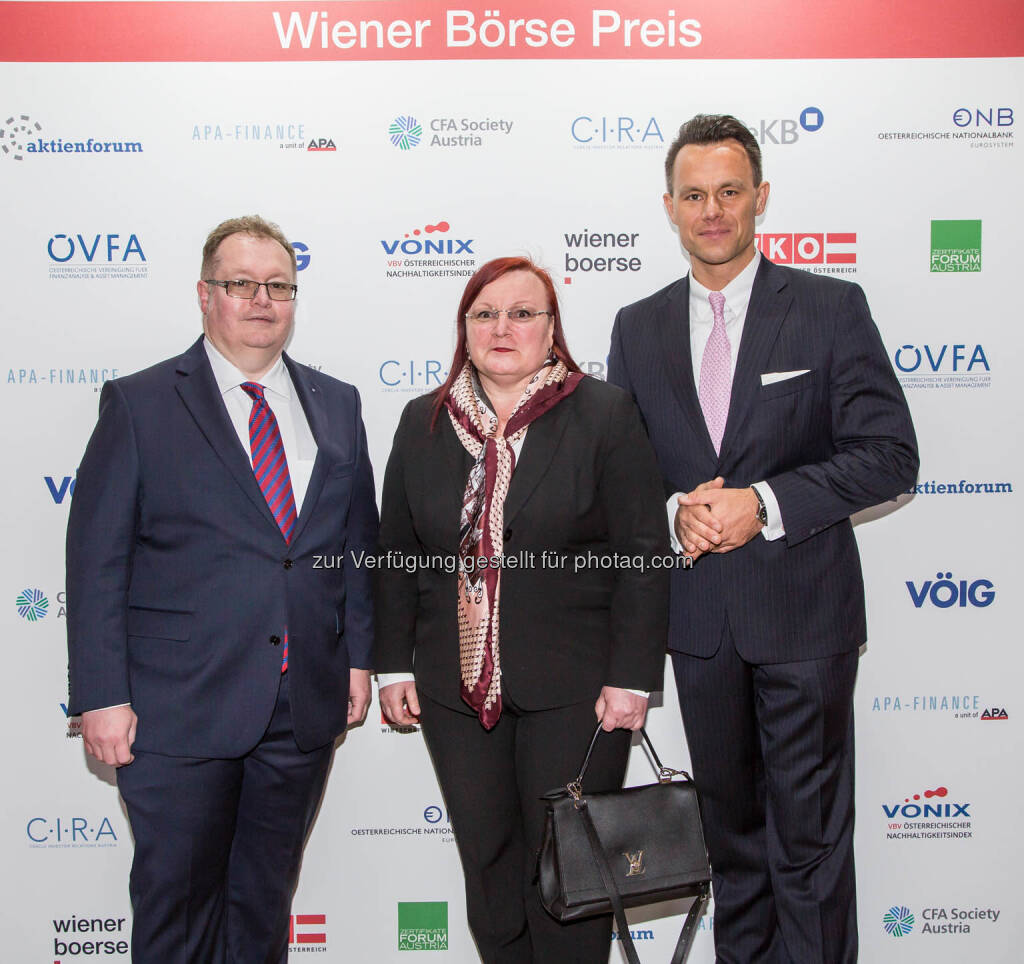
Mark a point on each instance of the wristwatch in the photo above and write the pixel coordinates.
(762, 510)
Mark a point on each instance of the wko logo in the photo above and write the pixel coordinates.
(307, 933)
(96, 256)
(944, 593)
(615, 133)
(830, 252)
(18, 137)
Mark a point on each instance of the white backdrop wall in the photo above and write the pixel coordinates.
(889, 135)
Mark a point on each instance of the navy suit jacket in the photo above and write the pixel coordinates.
(829, 443)
(178, 577)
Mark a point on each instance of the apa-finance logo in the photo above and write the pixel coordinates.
(275, 133)
(944, 592)
(898, 921)
(615, 132)
(960, 706)
(405, 132)
(822, 252)
(929, 815)
(956, 246)
(432, 251)
(89, 256)
(32, 604)
(26, 375)
(21, 136)
(70, 832)
(307, 933)
(423, 925)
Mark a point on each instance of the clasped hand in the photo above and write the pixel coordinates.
(713, 518)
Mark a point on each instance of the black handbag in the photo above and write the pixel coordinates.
(604, 852)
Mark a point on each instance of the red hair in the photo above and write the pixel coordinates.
(484, 276)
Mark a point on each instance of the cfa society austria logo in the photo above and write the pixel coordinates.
(898, 921)
(32, 604)
(405, 133)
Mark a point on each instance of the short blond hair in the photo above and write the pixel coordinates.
(251, 224)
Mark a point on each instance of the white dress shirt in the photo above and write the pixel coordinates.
(299, 445)
(737, 297)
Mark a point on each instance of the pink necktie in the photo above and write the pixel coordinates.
(716, 373)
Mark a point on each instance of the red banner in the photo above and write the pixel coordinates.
(406, 30)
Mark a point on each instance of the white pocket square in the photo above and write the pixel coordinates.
(770, 378)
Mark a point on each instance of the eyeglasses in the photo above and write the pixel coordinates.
(488, 315)
(240, 288)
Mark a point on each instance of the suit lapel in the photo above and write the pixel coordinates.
(538, 451)
(675, 344)
(770, 301)
(312, 400)
(198, 390)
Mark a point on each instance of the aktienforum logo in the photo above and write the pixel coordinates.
(423, 925)
(956, 246)
(32, 604)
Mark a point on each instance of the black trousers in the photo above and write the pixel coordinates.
(492, 783)
(218, 844)
(772, 752)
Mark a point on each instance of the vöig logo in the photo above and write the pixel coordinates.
(943, 592)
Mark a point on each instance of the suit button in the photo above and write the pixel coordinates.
(508, 535)
(275, 640)
(287, 563)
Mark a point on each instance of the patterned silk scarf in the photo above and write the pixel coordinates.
(482, 521)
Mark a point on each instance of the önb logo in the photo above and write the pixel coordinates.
(405, 133)
(943, 592)
(413, 244)
(983, 117)
(933, 806)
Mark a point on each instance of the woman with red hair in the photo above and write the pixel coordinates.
(521, 598)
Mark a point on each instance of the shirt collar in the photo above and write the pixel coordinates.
(228, 376)
(737, 292)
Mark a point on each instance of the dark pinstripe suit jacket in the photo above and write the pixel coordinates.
(830, 442)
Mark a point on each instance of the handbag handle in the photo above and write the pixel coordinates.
(665, 774)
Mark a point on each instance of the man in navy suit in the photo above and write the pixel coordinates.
(214, 656)
(775, 415)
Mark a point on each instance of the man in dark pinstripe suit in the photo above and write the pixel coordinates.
(775, 414)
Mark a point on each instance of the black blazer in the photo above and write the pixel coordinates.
(179, 581)
(586, 482)
(829, 443)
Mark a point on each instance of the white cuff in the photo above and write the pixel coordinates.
(644, 693)
(671, 506)
(774, 529)
(386, 679)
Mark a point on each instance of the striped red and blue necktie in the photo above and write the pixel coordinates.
(271, 470)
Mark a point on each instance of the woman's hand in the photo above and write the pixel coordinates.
(400, 704)
(618, 709)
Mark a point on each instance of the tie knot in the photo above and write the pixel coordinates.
(717, 300)
(254, 390)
